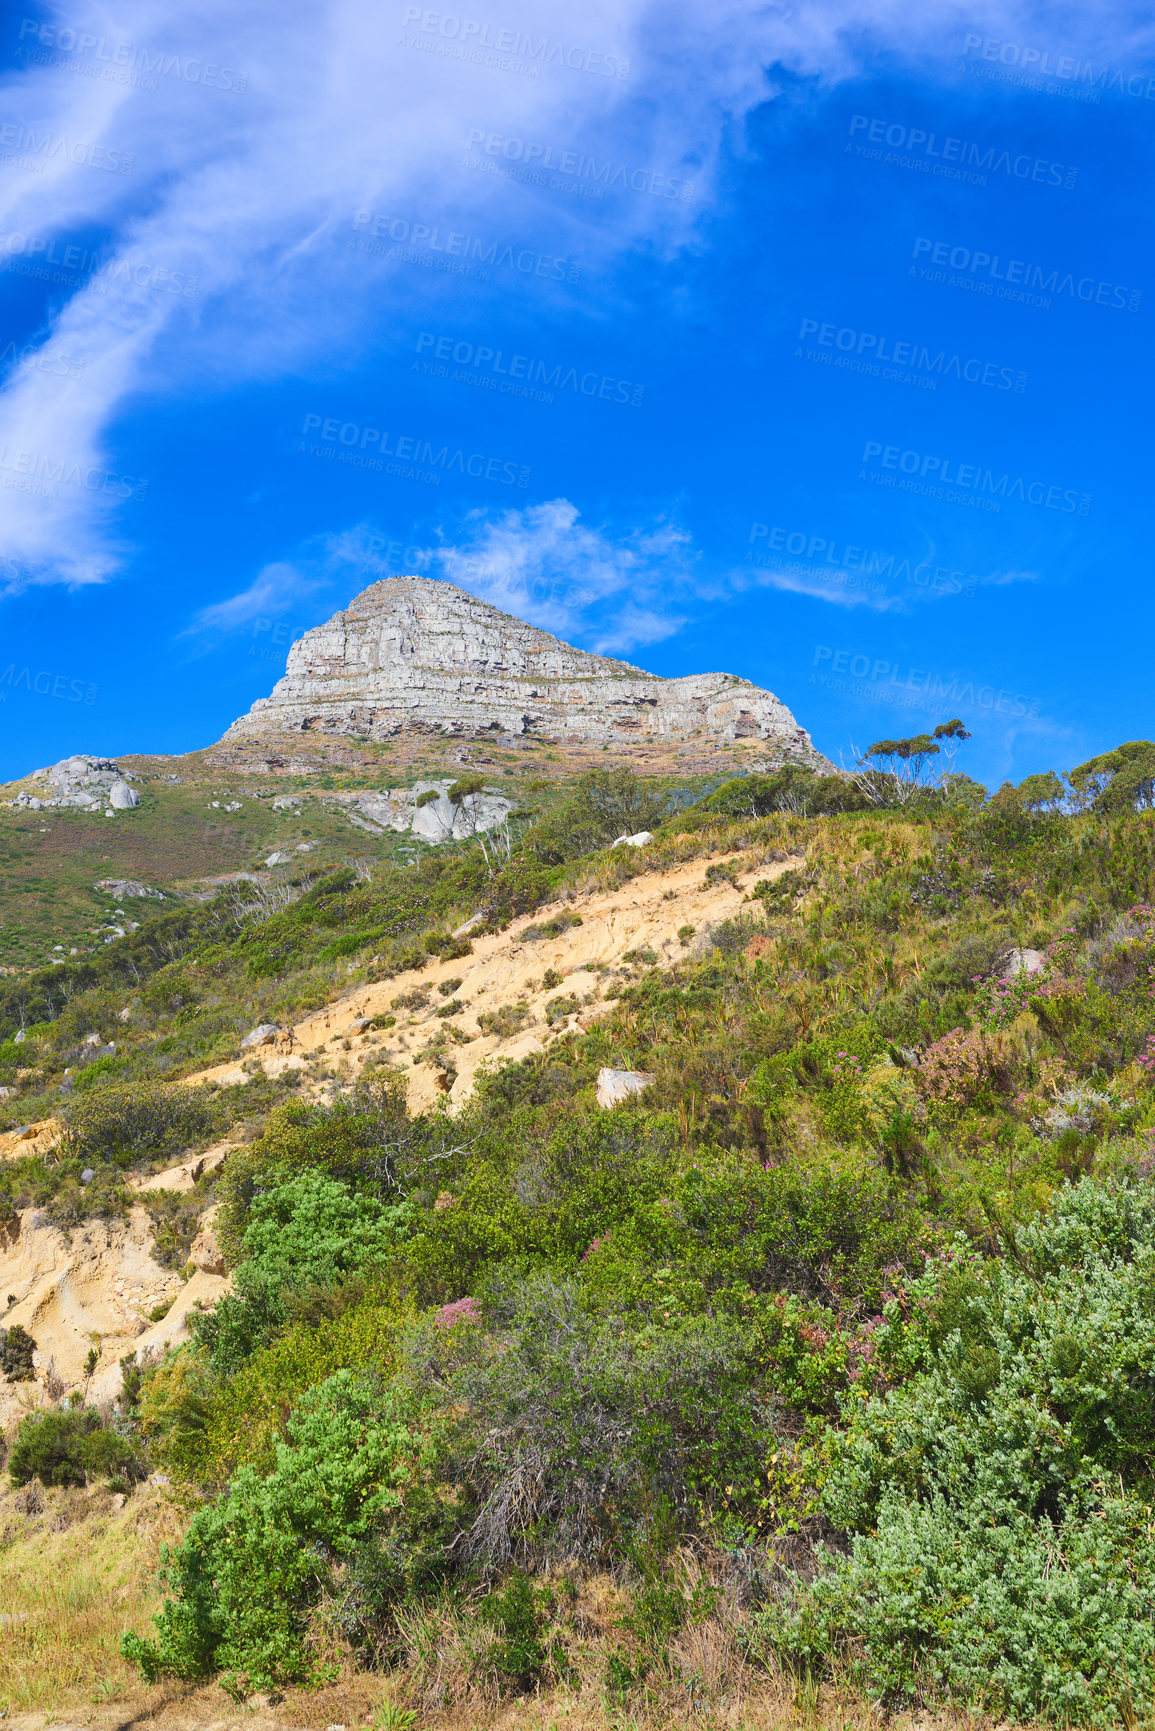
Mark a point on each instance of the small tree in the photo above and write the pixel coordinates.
(950, 734)
(904, 761)
(1041, 793)
(1119, 780)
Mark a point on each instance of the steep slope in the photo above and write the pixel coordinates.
(557, 969)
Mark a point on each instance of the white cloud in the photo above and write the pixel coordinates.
(837, 587)
(250, 195)
(272, 592)
(610, 592)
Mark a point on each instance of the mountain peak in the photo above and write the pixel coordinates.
(416, 655)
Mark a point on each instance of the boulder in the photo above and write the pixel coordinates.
(120, 888)
(614, 1086)
(278, 858)
(1023, 962)
(643, 839)
(206, 1253)
(264, 1035)
(121, 797)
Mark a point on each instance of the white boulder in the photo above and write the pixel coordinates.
(1023, 962)
(264, 1035)
(614, 1086)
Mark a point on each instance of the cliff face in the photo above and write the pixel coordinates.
(414, 655)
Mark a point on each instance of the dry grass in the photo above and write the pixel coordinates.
(76, 1571)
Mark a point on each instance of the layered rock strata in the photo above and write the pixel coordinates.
(414, 655)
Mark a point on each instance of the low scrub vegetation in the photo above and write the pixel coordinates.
(832, 1350)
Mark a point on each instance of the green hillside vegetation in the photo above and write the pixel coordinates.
(835, 1348)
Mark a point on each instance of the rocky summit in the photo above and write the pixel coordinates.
(412, 655)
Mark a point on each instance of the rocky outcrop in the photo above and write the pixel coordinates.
(426, 810)
(84, 783)
(412, 654)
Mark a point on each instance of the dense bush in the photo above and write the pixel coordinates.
(252, 1565)
(998, 1495)
(305, 1234)
(586, 1420)
(16, 1349)
(129, 1121)
(70, 1447)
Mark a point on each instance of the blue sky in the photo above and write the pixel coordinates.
(814, 346)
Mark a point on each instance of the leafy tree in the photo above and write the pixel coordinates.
(604, 804)
(903, 762)
(950, 734)
(1044, 792)
(1119, 780)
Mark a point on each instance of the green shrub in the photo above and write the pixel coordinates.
(129, 1121)
(304, 1234)
(365, 1138)
(521, 1652)
(70, 1447)
(997, 1499)
(16, 1349)
(584, 1423)
(253, 1564)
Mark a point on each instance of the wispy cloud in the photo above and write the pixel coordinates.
(272, 592)
(837, 587)
(609, 592)
(250, 194)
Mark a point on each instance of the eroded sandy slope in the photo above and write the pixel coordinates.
(97, 1287)
(507, 970)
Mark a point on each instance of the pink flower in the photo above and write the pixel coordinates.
(462, 1310)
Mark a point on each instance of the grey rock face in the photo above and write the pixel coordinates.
(262, 1035)
(614, 1086)
(122, 887)
(86, 783)
(425, 810)
(414, 654)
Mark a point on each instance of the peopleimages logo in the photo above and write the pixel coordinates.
(930, 474)
(45, 684)
(1041, 63)
(20, 141)
(536, 156)
(1033, 277)
(364, 448)
(916, 355)
(37, 472)
(883, 682)
(521, 375)
(959, 156)
(518, 44)
(118, 61)
(824, 553)
(464, 254)
(54, 260)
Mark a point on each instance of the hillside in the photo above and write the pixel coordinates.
(703, 1276)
